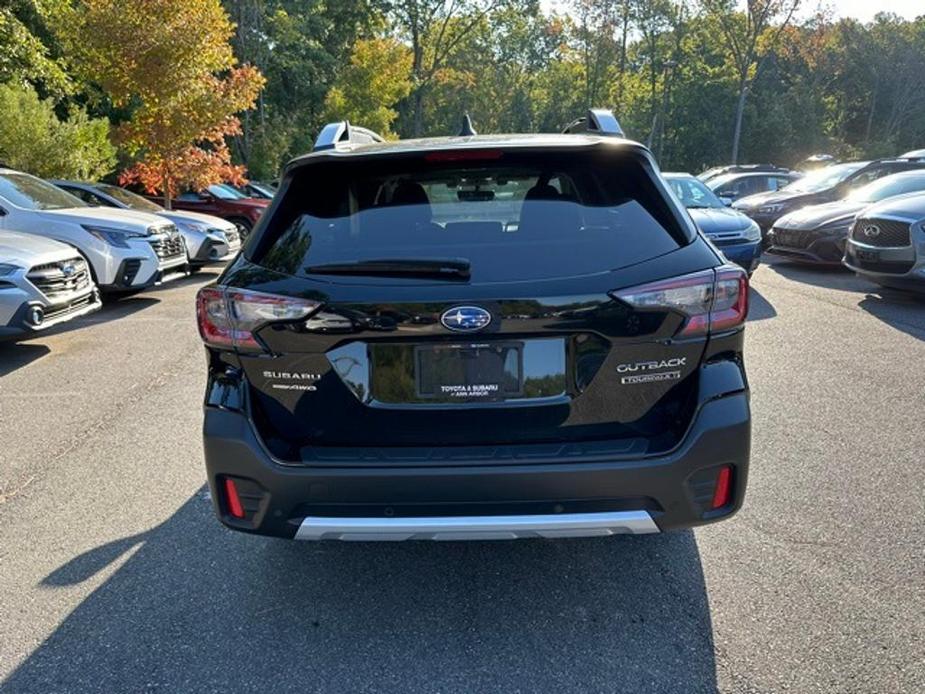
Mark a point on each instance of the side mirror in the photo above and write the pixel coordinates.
(726, 200)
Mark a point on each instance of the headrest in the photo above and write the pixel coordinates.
(542, 191)
(409, 193)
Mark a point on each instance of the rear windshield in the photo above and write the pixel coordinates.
(510, 216)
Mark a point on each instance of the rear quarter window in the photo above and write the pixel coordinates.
(512, 215)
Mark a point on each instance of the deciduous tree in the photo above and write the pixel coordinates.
(435, 29)
(376, 79)
(750, 37)
(170, 63)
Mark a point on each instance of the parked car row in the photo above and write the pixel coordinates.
(824, 185)
(866, 215)
(208, 238)
(62, 245)
(221, 200)
(818, 233)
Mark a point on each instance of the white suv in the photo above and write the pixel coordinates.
(42, 283)
(127, 250)
(208, 239)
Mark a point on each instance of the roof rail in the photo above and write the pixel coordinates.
(599, 121)
(467, 130)
(341, 131)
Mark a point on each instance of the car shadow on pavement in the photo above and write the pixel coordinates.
(827, 276)
(759, 308)
(200, 608)
(15, 356)
(112, 309)
(904, 311)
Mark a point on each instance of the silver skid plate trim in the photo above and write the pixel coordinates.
(478, 527)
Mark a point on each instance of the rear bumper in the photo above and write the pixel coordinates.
(554, 496)
(478, 527)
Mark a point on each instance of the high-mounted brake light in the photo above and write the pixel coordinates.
(464, 155)
(229, 317)
(711, 301)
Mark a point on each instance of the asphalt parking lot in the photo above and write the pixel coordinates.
(115, 577)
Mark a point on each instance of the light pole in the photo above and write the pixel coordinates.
(667, 72)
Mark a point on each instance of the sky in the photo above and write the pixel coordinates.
(863, 10)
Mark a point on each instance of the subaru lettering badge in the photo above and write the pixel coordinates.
(466, 318)
(871, 230)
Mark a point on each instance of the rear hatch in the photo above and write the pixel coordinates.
(478, 297)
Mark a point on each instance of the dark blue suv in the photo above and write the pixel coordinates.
(737, 236)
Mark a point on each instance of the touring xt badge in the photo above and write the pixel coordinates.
(651, 371)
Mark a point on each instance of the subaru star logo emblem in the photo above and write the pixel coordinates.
(466, 318)
(871, 230)
(68, 270)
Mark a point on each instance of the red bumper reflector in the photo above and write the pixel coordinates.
(722, 493)
(234, 502)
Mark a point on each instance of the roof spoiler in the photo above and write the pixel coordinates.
(333, 134)
(599, 121)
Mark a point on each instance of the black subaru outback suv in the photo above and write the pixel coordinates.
(475, 337)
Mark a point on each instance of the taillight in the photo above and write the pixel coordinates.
(229, 317)
(730, 299)
(712, 300)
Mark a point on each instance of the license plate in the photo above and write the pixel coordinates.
(868, 256)
(469, 371)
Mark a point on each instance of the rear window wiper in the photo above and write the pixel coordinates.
(438, 268)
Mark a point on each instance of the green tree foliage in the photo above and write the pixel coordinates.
(33, 139)
(750, 37)
(24, 55)
(697, 80)
(300, 46)
(435, 30)
(377, 78)
(171, 64)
